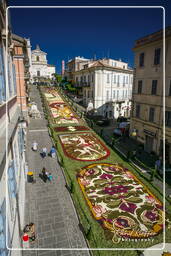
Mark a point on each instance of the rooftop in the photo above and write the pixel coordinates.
(152, 37)
(37, 50)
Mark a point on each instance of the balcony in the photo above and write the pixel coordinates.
(27, 75)
(39, 62)
(82, 84)
(118, 99)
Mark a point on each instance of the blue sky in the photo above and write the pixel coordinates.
(65, 33)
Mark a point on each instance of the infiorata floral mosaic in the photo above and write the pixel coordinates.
(53, 99)
(71, 128)
(120, 202)
(62, 114)
(83, 146)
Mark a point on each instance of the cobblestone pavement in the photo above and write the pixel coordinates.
(49, 205)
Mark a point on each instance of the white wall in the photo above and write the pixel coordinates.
(107, 86)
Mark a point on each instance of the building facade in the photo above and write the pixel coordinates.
(40, 67)
(12, 155)
(74, 65)
(22, 65)
(107, 84)
(148, 93)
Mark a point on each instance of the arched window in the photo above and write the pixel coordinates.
(37, 58)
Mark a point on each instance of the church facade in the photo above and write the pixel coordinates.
(40, 68)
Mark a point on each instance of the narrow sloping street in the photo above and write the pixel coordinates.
(48, 205)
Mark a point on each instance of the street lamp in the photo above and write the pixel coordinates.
(134, 133)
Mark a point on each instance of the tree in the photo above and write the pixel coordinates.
(57, 77)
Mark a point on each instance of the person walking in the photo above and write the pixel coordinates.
(44, 152)
(53, 152)
(158, 164)
(44, 174)
(34, 146)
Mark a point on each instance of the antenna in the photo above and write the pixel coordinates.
(108, 53)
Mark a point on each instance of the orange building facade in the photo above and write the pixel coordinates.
(21, 63)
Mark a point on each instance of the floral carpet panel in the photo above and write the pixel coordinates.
(62, 114)
(53, 98)
(120, 202)
(71, 128)
(83, 146)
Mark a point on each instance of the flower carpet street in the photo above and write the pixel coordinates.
(123, 206)
(49, 205)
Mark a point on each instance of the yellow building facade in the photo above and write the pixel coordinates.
(148, 92)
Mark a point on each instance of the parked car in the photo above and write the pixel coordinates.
(98, 119)
(124, 125)
(121, 119)
(123, 129)
(117, 131)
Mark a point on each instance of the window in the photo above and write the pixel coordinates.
(16, 160)
(20, 141)
(38, 73)
(118, 79)
(157, 56)
(88, 78)
(131, 79)
(126, 79)
(84, 78)
(107, 95)
(154, 87)
(108, 81)
(168, 118)
(88, 94)
(139, 86)
(9, 76)
(114, 78)
(113, 94)
(151, 114)
(92, 78)
(14, 78)
(137, 114)
(117, 94)
(170, 89)
(126, 94)
(37, 58)
(123, 79)
(12, 185)
(2, 77)
(141, 60)
(3, 249)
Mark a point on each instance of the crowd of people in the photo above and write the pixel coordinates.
(29, 229)
(43, 152)
(45, 175)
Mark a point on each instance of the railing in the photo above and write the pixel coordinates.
(82, 84)
(118, 99)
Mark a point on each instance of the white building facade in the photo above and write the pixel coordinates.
(12, 157)
(108, 85)
(40, 67)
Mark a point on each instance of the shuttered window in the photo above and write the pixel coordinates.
(3, 249)
(2, 77)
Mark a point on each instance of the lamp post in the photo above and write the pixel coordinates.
(132, 153)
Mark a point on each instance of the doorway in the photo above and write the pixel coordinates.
(149, 144)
